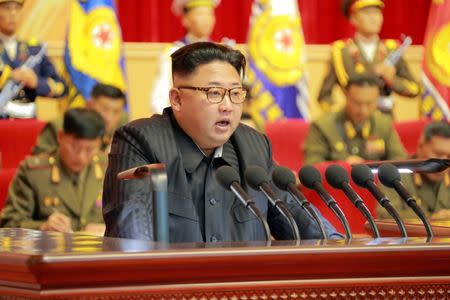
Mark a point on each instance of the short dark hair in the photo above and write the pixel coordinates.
(441, 129)
(186, 59)
(363, 80)
(84, 123)
(106, 90)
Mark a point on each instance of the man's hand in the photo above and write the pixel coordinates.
(354, 159)
(97, 229)
(385, 71)
(443, 214)
(57, 222)
(25, 76)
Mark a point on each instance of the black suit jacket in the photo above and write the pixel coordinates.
(127, 205)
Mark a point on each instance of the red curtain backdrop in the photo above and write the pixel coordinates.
(323, 23)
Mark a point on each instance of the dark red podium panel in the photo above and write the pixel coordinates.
(42, 265)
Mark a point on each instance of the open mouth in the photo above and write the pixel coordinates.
(223, 123)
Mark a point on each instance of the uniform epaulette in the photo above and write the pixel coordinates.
(98, 161)
(33, 42)
(101, 158)
(39, 161)
(391, 44)
(339, 44)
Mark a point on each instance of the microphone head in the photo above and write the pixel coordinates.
(256, 176)
(388, 174)
(282, 177)
(309, 175)
(361, 174)
(226, 175)
(336, 176)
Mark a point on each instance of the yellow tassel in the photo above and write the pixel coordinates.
(447, 179)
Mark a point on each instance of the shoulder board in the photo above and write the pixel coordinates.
(40, 161)
(339, 44)
(391, 44)
(33, 42)
(101, 158)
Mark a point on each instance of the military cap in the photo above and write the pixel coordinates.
(17, 1)
(355, 5)
(178, 6)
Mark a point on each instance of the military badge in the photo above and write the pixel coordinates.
(375, 146)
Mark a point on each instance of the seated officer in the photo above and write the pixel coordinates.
(366, 52)
(431, 190)
(38, 80)
(358, 132)
(61, 191)
(107, 100)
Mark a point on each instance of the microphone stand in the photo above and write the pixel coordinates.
(250, 204)
(158, 180)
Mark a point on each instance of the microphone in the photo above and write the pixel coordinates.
(337, 177)
(363, 176)
(310, 178)
(158, 178)
(229, 179)
(284, 179)
(390, 177)
(257, 179)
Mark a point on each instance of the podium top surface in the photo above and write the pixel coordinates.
(36, 260)
(53, 244)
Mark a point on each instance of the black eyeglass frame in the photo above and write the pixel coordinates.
(224, 92)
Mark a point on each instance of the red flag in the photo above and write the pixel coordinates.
(436, 62)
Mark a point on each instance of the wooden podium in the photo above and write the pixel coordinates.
(414, 228)
(44, 265)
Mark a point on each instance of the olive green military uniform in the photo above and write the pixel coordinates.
(348, 60)
(43, 186)
(333, 137)
(431, 197)
(47, 139)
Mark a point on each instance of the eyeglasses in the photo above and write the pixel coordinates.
(216, 94)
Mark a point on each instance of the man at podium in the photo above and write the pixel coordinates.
(194, 137)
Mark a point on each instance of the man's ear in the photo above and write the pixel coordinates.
(351, 19)
(175, 100)
(60, 136)
(185, 22)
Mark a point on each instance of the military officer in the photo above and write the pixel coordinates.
(61, 191)
(365, 52)
(107, 100)
(432, 190)
(357, 133)
(198, 18)
(40, 80)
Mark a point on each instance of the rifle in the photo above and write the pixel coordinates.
(12, 87)
(395, 55)
(386, 103)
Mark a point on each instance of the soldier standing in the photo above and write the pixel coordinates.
(40, 80)
(364, 53)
